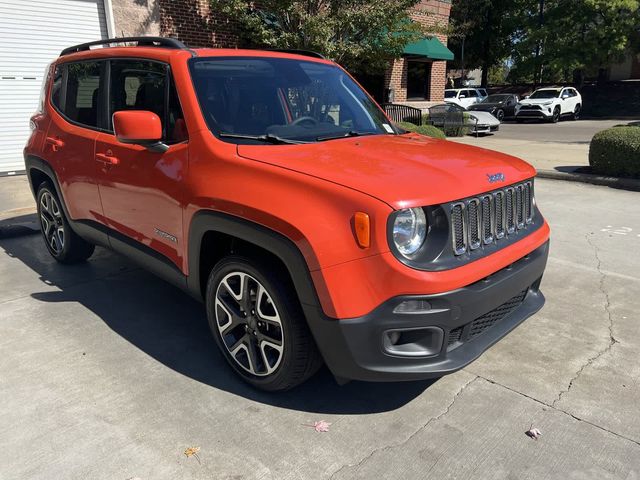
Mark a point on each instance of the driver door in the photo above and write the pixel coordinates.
(141, 190)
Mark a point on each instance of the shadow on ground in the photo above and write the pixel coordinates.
(171, 327)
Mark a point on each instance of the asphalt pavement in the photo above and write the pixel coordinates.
(107, 372)
(561, 147)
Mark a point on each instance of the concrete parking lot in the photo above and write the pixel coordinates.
(107, 372)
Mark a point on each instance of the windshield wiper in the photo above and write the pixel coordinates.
(350, 133)
(269, 138)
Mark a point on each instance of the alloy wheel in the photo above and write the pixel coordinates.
(52, 223)
(249, 324)
(500, 115)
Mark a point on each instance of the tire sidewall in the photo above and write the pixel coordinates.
(283, 305)
(500, 115)
(46, 188)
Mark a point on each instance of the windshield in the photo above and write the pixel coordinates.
(449, 94)
(545, 94)
(282, 99)
(495, 99)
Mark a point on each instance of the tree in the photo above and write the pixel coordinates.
(363, 35)
(487, 29)
(578, 38)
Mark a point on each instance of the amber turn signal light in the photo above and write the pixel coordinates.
(363, 229)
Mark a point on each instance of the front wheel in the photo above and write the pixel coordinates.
(556, 115)
(258, 324)
(63, 243)
(500, 115)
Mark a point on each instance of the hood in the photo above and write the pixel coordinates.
(484, 117)
(400, 170)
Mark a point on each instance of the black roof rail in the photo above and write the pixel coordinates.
(141, 41)
(306, 53)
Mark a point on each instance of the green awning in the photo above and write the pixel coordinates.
(429, 47)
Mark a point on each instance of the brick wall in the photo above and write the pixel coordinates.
(193, 22)
(428, 13)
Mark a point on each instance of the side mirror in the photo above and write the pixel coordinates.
(526, 96)
(139, 127)
(462, 96)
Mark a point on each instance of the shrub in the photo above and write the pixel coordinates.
(616, 151)
(428, 130)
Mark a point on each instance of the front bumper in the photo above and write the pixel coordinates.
(534, 114)
(461, 325)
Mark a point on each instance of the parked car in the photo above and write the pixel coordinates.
(464, 96)
(550, 104)
(272, 188)
(442, 116)
(500, 105)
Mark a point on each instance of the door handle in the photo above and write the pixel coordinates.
(106, 158)
(55, 143)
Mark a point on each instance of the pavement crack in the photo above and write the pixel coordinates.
(607, 308)
(551, 406)
(408, 439)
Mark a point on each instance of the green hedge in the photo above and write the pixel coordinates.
(616, 151)
(428, 130)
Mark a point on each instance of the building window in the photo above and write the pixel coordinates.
(418, 79)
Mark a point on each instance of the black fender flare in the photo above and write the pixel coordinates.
(211, 221)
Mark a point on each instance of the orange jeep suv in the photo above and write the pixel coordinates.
(270, 186)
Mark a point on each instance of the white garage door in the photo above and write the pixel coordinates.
(32, 34)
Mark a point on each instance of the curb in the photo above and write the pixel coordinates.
(613, 182)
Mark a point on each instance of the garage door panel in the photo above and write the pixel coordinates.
(32, 34)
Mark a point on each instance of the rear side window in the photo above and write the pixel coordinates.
(82, 93)
(75, 91)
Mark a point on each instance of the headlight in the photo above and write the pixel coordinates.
(547, 103)
(409, 230)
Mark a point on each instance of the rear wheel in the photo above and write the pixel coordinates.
(576, 112)
(258, 324)
(63, 243)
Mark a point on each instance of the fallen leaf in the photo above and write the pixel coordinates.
(320, 426)
(193, 452)
(533, 433)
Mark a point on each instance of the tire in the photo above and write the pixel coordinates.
(556, 115)
(576, 112)
(258, 324)
(62, 242)
(500, 115)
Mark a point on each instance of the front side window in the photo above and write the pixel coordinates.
(137, 84)
(292, 99)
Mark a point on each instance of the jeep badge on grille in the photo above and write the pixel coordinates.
(495, 177)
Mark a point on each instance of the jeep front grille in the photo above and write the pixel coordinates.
(490, 218)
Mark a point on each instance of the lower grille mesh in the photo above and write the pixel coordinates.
(479, 325)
